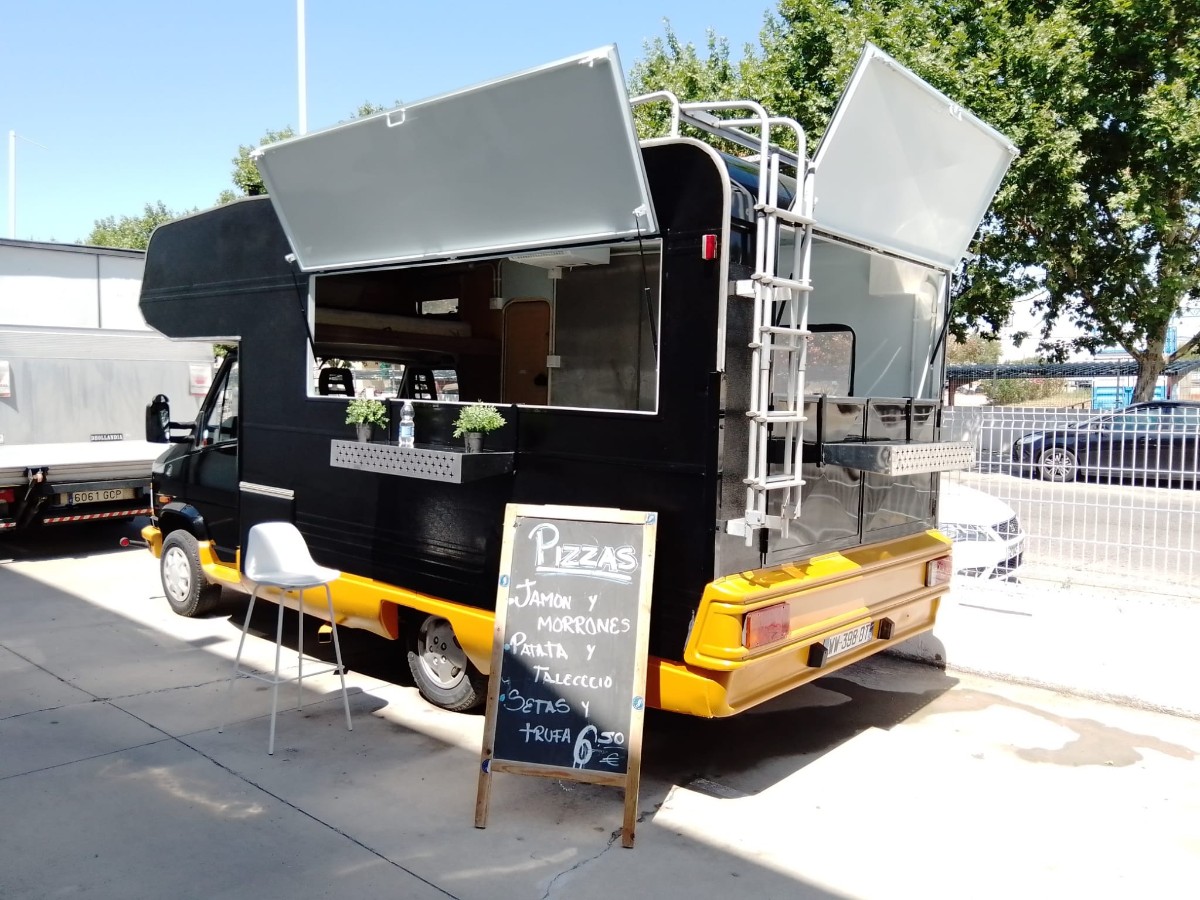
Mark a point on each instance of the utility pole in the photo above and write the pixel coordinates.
(12, 184)
(12, 179)
(301, 65)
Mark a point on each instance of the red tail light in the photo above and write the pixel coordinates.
(937, 571)
(768, 625)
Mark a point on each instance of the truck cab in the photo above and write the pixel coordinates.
(666, 325)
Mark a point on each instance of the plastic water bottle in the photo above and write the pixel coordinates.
(408, 430)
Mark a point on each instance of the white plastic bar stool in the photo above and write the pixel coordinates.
(277, 556)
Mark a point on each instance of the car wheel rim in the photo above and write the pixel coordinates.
(1056, 464)
(442, 657)
(177, 574)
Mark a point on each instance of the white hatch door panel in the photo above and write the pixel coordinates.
(546, 157)
(905, 169)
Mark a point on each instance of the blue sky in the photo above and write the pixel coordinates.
(136, 101)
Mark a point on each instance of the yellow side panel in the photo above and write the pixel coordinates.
(883, 584)
(358, 602)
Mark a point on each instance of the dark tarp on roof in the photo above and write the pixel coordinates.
(1096, 369)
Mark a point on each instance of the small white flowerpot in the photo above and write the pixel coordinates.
(364, 431)
(473, 441)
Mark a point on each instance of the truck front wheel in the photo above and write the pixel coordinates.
(444, 675)
(183, 581)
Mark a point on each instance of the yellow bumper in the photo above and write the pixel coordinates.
(883, 585)
(153, 538)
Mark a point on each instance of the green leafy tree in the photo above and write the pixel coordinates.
(130, 232)
(974, 349)
(1123, 256)
(246, 177)
(1022, 391)
(1102, 209)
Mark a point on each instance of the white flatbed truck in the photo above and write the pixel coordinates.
(77, 363)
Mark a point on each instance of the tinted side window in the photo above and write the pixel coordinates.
(1185, 421)
(829, 363)
(220, 423)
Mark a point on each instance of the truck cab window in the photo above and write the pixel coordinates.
(220, 423)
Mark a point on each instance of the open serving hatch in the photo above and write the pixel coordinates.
(543, 158)
(905, 169)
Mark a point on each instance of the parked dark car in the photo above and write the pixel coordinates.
(1158, 442)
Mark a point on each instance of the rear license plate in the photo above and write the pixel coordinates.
(103, 495)
(848, 640)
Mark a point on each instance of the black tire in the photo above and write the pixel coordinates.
(440, 668)
(1057, 464)
(188, 592)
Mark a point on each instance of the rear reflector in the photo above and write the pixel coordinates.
(708, 246)
(937, 571)
(7, 495)
(766, 626)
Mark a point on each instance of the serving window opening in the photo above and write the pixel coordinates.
(889, 311)
(572, 328)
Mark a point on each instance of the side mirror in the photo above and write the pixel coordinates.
(159, 424)
(158, 420)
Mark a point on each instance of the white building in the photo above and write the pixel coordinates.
(70, 286)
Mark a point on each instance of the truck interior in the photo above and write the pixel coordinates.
(578, 328)
(567, 328)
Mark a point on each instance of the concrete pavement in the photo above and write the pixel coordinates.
(888, 780)
(1117, 642)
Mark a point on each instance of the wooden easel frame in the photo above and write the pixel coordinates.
(631, 779)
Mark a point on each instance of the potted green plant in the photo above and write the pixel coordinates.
(365, 412)
(474, 422)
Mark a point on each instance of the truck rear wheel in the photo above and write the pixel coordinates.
(183, 581)
(444, 675)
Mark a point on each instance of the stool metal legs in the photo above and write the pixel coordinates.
(337, 653)
(275, 680)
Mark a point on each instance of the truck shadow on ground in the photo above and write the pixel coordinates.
(70, 541)
(104, 676)
(365, 653)
(754, 749)
(750, 752)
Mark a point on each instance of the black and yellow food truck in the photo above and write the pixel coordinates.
(705, 325)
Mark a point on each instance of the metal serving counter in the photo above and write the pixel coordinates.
(428, 461)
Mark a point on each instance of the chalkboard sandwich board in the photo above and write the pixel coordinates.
(567, 690)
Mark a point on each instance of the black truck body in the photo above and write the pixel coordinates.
(624, 365)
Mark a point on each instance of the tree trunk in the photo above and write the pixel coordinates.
(1150, 366)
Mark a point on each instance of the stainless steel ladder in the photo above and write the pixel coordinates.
(780, 303)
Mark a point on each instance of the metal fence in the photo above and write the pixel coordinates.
(1107, 499)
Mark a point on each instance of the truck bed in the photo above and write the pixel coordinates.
(77, 462)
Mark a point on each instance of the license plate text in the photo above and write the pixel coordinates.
(848, 640)
(102, 495)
